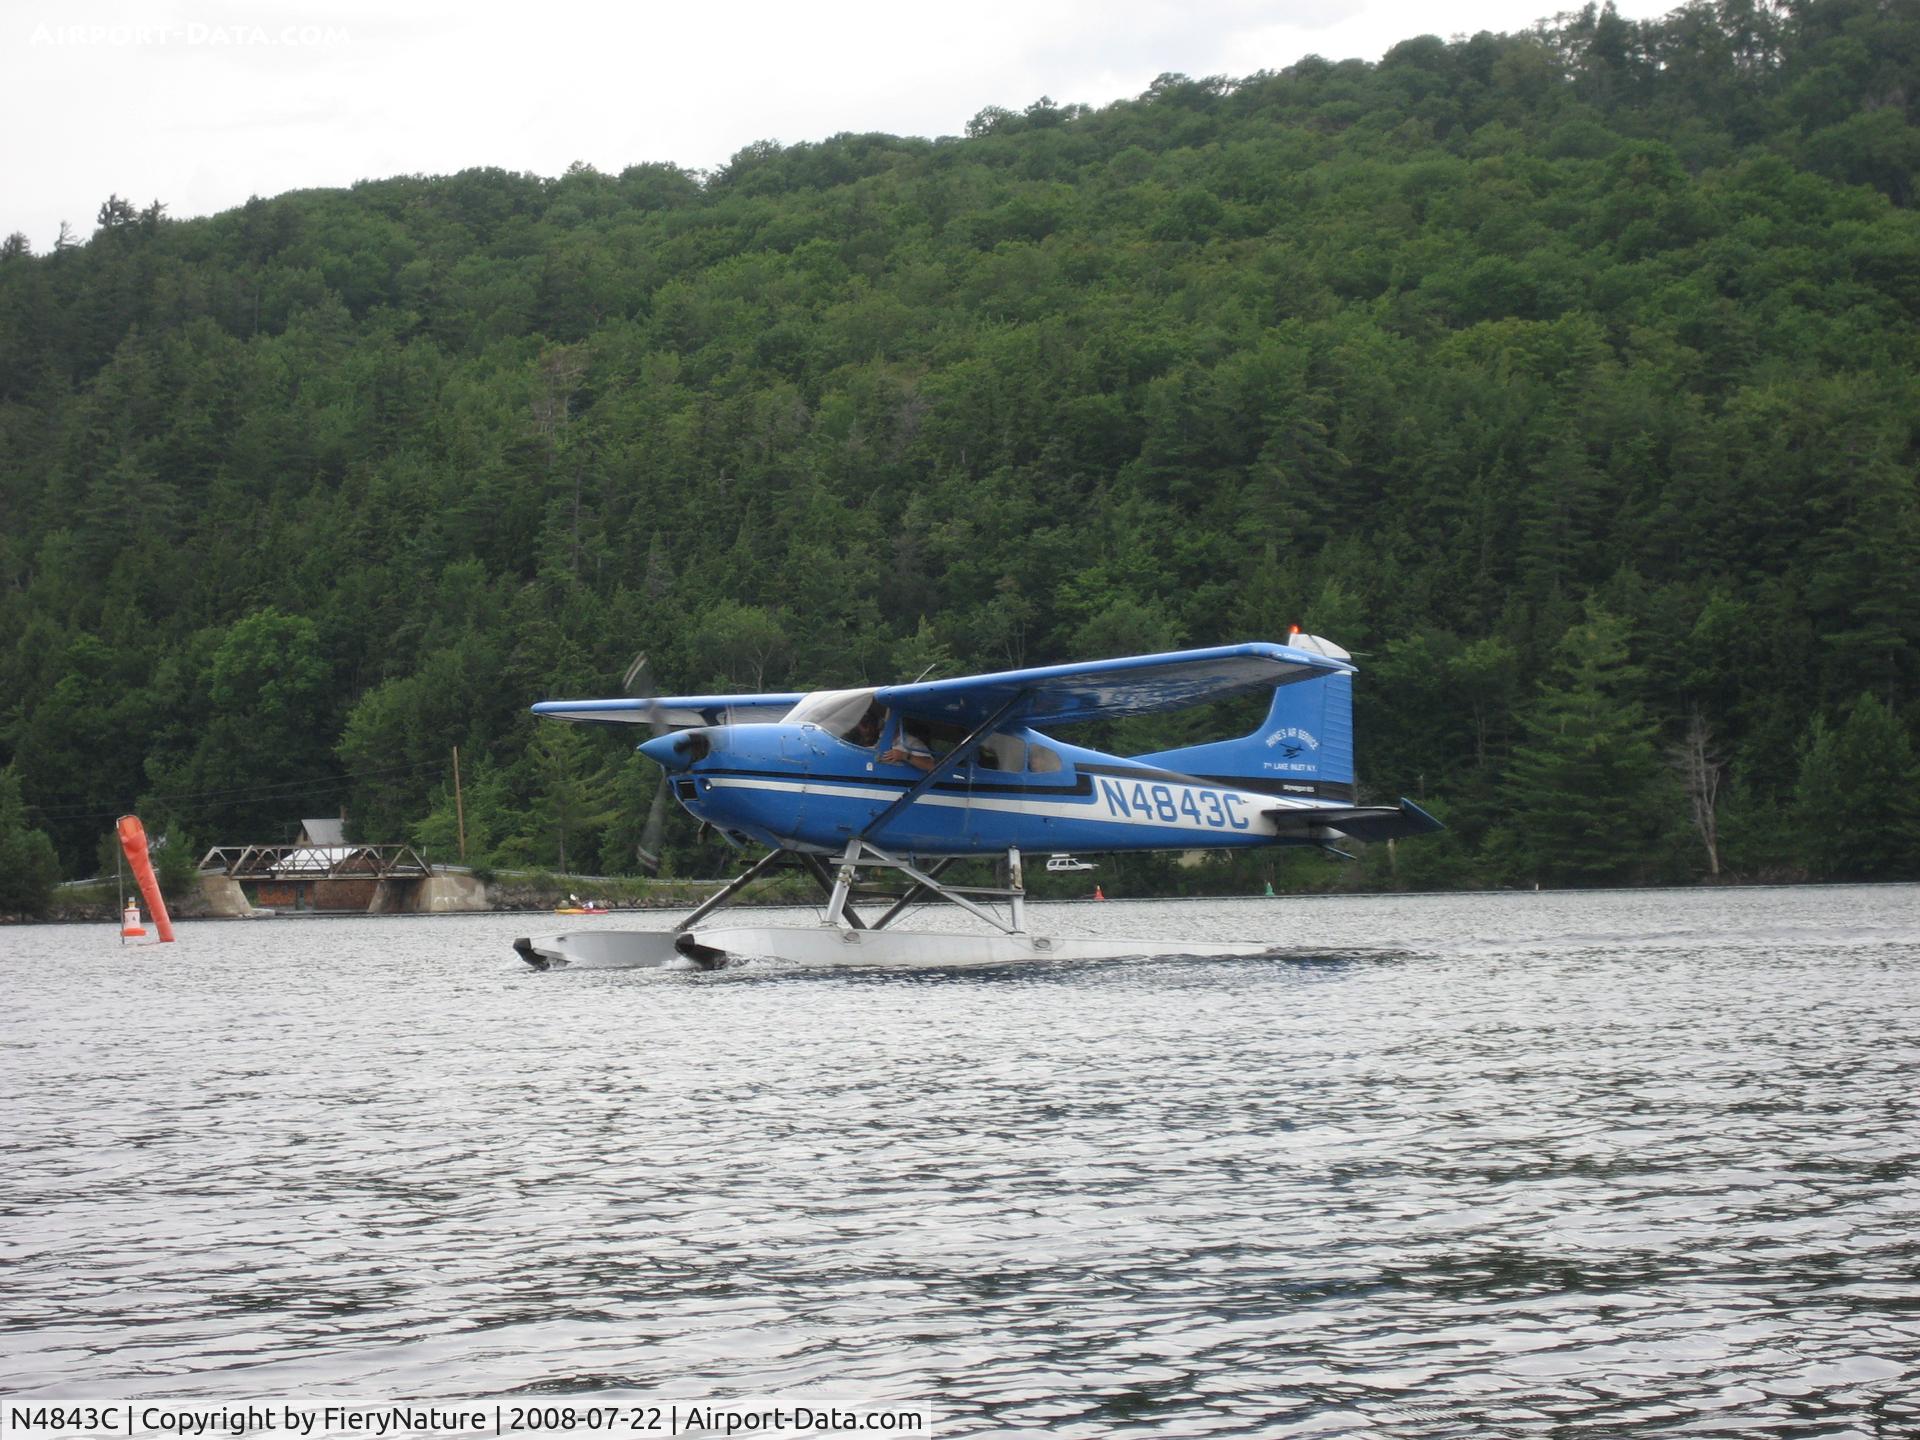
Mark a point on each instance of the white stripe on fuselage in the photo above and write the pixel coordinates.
(1102, 806)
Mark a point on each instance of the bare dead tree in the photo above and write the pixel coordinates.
(1700, 768)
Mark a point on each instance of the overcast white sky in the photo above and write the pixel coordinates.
(201, 103)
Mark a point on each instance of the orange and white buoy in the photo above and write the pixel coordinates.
(130, 926)
(1097, 894)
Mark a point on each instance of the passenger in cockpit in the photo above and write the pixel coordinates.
(909, 749)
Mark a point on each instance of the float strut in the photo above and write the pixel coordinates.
(817, 868)
(843, 883)
(1017, 888)
(732, 888)
(914, 892)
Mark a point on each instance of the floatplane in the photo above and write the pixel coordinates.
(902, 782)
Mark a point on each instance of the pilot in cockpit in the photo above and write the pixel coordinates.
(866, 734)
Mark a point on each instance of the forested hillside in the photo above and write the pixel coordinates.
(1568, 377)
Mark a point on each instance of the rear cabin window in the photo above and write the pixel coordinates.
(1007, 753)
(1010, 752)
(1003, 752)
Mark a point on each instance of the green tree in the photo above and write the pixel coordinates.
(79, 752)
(1858, 797)
(29, 869)
(741, 645)
(574, 799)
(257, 756)
(1590, 800)
(1488, 674)
(486, 809)
(176, 864)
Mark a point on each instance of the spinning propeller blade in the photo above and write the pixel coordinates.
(638, 683)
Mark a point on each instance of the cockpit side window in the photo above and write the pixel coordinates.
(1042, 761)
(935, 736)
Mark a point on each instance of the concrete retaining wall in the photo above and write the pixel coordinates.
(448, 893)
(223, 897)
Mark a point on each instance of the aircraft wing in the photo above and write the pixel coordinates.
(1106, 689)
(675, 712)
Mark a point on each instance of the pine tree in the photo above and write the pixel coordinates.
(1858, 811)
(28, 866)
(574, 799)
(1589, 798)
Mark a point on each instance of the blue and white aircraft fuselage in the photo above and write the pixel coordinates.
(801, 787)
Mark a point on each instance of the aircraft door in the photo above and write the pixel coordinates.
(995, 777)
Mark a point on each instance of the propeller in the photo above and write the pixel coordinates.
(638, 683)
(639, 673)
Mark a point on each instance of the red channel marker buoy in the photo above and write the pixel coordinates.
(1096, 893)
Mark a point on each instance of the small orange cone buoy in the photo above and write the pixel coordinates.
(1096, 893)
(130, 926)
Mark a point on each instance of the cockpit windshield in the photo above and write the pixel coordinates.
(838, 712)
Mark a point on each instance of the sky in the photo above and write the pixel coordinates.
(203, 103)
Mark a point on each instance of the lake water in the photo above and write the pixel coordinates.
(1633, 1163)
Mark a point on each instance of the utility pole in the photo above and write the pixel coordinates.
(459, 806)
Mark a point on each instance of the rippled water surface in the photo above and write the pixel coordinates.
(1612, 1164)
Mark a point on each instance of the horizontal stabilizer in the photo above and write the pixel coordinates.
(1361, 822)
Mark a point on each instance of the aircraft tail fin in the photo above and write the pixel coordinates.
(1305, 746)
